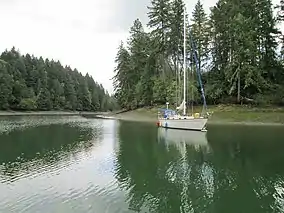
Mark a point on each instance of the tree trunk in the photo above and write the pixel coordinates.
(239, 87)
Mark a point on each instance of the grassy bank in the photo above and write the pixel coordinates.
(228, 114)
(221, 114)
(247, 114)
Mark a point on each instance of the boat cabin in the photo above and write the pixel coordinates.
(166, 113)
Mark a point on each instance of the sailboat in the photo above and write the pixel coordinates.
(172, 119)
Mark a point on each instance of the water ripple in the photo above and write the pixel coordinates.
(87, 165)
(77, 172)
(23, 122)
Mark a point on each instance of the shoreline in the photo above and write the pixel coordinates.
(228, 115)
(222, 115)
(48, 113)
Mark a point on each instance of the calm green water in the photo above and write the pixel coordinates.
(73, 164)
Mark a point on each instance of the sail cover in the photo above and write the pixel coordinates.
(181, 106)
(168, 112)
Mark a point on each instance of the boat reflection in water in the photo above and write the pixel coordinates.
(182, 138)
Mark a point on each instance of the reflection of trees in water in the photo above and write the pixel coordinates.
(155, 175)
(239, 172)
(247, 162)
(40, 148)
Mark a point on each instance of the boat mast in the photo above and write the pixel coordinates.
(192, 76)
(184, 63)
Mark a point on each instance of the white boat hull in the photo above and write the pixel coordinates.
(198, 124)
(173, 136)
(180, 139)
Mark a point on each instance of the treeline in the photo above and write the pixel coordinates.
(237, 52)
(31, 83)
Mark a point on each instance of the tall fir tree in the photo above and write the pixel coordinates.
(200, 33)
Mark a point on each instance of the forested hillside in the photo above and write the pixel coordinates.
(31, 83)
(239, 47)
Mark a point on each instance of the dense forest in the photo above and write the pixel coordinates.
(239, 47)
(31, 83)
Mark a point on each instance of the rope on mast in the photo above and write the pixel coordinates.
(198, 71)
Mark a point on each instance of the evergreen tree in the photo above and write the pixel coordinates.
(236, 41)
(122, 77)
(200, 33)
(159, 20)
(176, 33)
(30, 83)
(138, 48)
(5, 85)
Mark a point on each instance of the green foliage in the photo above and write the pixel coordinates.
(30, 83)
(5, 85)
(236, 46)
(200, 33)
(160, 21)
(28, 104)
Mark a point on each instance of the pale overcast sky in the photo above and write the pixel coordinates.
(82, 33)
